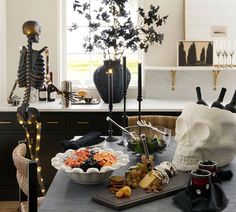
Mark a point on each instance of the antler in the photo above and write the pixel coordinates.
(68, 95)
(143, 123)
(122, 128)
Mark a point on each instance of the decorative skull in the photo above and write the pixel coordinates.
(204, 133)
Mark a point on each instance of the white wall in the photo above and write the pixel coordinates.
(166, 54)
(157, 83)
(3, 50)
(43, 11)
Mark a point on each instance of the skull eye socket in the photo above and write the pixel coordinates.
(200, 131)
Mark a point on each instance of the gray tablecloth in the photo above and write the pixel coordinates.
(67, 196)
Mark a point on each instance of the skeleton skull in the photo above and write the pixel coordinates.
(204, 133)
(32, 30)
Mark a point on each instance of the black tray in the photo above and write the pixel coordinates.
(139, 196)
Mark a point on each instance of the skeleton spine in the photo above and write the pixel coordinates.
(28, 70)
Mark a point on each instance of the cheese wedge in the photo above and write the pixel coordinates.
(147, 180)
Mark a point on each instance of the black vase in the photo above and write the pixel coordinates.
(101, 80)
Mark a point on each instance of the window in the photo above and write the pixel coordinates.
(80, 65)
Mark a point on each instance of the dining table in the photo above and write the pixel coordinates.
(64, 195)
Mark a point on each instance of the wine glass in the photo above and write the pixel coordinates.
(226, 57)
(231, 53)
(218, 53)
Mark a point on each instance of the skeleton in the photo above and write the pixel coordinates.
(31, 74)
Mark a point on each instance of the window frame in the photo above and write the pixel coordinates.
(3, 52)
(63, 53)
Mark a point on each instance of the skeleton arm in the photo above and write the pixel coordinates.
(13, 99)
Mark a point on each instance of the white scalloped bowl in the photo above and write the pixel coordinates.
(92, 175)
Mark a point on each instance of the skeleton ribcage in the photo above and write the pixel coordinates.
(37, 73)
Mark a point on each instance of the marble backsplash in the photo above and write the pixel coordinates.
(158, 85)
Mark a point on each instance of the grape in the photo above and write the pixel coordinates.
(134, 173)
(139, 172)
(92, 152)
(129, 183)
(135, 185)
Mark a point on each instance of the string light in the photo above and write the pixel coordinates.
(110, 71)
(35, 156)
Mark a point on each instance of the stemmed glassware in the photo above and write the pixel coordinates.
(231, 54)
(218, 53)
(226, 58)
(224, 50)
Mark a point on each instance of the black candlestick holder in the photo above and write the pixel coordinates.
(139, 99)
(110, 137)
(124, 117)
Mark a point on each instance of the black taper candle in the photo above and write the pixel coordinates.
(124, 74)
(110, 89)
(139, 80)
(110, 138)
(139, 98)
(125, 121)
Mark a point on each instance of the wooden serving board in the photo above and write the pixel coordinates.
(139, 196)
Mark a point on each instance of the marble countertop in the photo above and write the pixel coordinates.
(148, 105)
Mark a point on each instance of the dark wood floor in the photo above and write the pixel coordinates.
(9, 206)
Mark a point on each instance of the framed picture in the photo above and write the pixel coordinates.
(195, 53)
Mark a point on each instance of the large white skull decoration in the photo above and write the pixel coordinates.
(204, 133)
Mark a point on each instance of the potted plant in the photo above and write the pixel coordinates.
(120, 34)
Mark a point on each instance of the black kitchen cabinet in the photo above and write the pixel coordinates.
(82, 123)
(56, 127)
(8, 184)
(10, 134)
(50, 146)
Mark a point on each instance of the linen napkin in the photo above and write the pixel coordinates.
(216, 202)
(89, 139)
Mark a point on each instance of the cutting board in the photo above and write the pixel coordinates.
(139, 196)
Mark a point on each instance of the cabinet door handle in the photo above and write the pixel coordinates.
(5, 122)
(83, 122)
(52, 122)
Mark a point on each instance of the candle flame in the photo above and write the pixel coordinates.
(110, 71)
